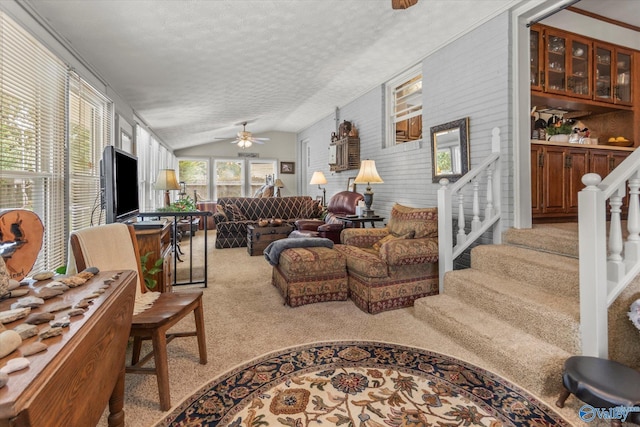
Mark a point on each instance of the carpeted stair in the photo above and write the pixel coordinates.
(516, 307)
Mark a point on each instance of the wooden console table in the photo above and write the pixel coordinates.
(158, 242)
(190, 217)
(70, 383)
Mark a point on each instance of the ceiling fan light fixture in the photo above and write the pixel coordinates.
(244, 143)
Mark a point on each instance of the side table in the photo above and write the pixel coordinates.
(258, 238)
(360, 221)
(158, 242)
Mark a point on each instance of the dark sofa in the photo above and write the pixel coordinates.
(235, 213)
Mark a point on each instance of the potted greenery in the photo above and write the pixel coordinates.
(149, 273)
(559, 133)
(184, 204)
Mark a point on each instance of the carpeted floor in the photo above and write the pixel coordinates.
(360, 383)
(245, 319)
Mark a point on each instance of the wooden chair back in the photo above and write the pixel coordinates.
(115, 250)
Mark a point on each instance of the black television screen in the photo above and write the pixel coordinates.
(120, 177)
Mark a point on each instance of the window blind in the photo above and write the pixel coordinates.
(33, 88)
(90, 124)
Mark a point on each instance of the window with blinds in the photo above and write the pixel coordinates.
(33, 93)
(90, 124)
(152, 157)
(39, 170)
(404, 107)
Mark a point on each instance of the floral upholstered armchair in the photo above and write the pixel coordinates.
(390, 267)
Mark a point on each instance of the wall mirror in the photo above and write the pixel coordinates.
(450, 150)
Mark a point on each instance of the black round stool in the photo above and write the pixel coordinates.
(601, 383)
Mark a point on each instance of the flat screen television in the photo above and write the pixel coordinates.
(119, 178)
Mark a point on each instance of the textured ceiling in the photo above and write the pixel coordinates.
(194, 69)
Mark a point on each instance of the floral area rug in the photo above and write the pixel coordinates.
(360, 384)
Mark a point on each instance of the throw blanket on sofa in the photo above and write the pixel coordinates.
(273, 251)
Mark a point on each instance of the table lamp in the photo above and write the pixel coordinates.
(278, 184)
(318, 178)
(166, 181)
(368, 175)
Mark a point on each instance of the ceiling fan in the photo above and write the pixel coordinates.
(245, 139)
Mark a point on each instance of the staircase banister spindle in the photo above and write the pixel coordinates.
(615, 266)
(462, 237)
(633, 219)
(488, 211)
(632, 244)
(475, 222)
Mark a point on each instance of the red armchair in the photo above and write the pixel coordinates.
(341, 204)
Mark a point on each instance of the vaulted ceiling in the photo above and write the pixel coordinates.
(192, 70)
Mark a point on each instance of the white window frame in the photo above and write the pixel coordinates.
(274, 163)
(205, 160)
(392, 115)
(243, 166)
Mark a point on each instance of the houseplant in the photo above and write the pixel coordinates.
(148, 272)
(185, 204)
(559, 133)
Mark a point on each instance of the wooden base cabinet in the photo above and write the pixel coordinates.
(158, 242)
(556, 177)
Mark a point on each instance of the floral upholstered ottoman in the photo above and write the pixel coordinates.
(309, 275)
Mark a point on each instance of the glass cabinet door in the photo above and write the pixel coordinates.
(623, 69)
(613, 69)
(603, 85)
(535, 51)
(556, 71)
(568, 65)
(578, 83)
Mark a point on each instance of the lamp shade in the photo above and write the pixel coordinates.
(279, 183)
(318, 178)
(167, 180)
(368, 174)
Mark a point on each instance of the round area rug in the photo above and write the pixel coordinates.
(360, 383)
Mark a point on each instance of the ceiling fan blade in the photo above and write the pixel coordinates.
(262, 139)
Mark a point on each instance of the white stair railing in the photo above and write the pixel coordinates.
(606, 266)
(489, 169)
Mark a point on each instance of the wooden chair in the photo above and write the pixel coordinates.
(114, 247)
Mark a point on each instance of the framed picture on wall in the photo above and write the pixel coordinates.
(287, 167)
(351, 185)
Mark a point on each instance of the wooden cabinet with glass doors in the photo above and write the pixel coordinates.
(613, 74)
(567, 64)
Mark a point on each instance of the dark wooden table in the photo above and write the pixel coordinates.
(360, 221)
(71, 382)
